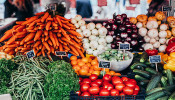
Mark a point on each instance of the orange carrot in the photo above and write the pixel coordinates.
(60, 47)
(63, 18)
(75, 44)
(30, 42)
(45, 17)
(38, 34)
(59, 21)
(30, 20)
(52, 38)
(56, 27)
(48, 25)
(50, 42)
(31, 30)
(58, 34)
(41, 27)
(21, 33)
(54, 24)
(82, 49)
(65, 47)
(74, 50)
(73, 53)
(16, 50)
(46, 32)
(35, 51)
(7, 50)
(56, 40)
(29, 37)
(64, 22)
(12, 39)
(37, 43)
(46, 38)
(15, 27)
(43, 53)
(19, 22)
(39, 23)
(25, 49)
(66, 27)
(55, 20)
(7, 35)
(80, 52)
(46, 45)
(66, 40)
(42, 39)
(70, 25)
(64, 33)
(74, 33)
(38, 20)
(60, 40)
(11, 52)
(56, 30)
(40, 13)
(39, 53)
(77, 40)
(52, 50)
(32, 24)
(12, 45)
(40, 46)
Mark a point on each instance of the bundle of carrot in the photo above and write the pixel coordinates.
(43, 33)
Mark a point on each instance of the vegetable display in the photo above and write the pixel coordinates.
(123, 31)
(60, 81)
(95, 38)
(44, 33)
(107, 86)
(87, 66)
(170, 62)
(5, 55)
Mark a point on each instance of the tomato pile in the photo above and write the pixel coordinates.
(107, 86)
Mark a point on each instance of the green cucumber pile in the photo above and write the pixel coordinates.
(159, 85)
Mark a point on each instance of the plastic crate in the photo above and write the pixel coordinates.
(140, 96)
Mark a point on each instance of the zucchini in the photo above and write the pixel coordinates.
(172, 96)
(164, 81)
(137, 64)
(163, 98)
(151, 70)
(139, 78)
(170, 76)
(168, 88)
(144, 57)
(153, 82)
(142, 73)
(156, 95)
(144, 83)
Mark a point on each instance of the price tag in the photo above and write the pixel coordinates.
(123, 46)
(104, 64)
(30, 54)
(60, 53)
(167, 8)
(155, 59)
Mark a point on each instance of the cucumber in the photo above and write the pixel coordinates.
(137, 64)
(142, 73)
(139, 78)
(156, 95)
(168, 88)
(147, 63)
(144, 83)
(164, 81)
(172, 96)
(170, 76)
(144, 57)
(153, 82)
(151, 70)
(163, 98)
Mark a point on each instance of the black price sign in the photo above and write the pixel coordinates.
(30, 54)
(60, 53)
(167, 8)
(123, 46)
(104, 64)
(155, 59)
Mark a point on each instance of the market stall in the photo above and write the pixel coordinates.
(50, 57)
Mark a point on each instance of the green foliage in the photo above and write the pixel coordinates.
(60, 81)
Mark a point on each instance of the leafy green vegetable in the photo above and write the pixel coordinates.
(60, 81)
(27, 81)
(6, 68)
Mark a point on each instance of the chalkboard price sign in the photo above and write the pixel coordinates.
(123, 46)
(104, 64)
(60, 53)
(155, 59)
(30, 54)
(167, 8)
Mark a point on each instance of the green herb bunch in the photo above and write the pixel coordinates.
(6, 68)
(28, 80)
(60, 81)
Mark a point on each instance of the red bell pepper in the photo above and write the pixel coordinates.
(170, 48)
(151, 52)
(171, 41)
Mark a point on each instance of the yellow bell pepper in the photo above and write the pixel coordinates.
(170, 65)
(172, 54)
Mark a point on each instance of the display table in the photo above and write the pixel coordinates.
(4, 23)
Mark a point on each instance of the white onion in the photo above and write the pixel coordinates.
(89, 51)
(102, 41)
(77, 25)
(78, 30)
(152, 24)
(152, 33)
(98, 25)
(94, 32)
(152, 40)
(156, 45)
(157, 38)
(102, 31)
(78, 17)
(93, 44)
(85, 40)
(100, 47)
(86, 33)
(109, 39)
(147, 38)
(148, 46)
(167, 41)
(109, 46)
(163, 27)
(162, 48)
(92, 37)
(81, 22)
(139, 25)
(162, 34)
(83, 27)
(95, 52)
(86, 46)
(91, 26)
(73, 21)
(142, 31)
(162, 41)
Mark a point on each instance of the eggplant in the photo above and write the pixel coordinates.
(134, 26)
(118, 17)
(124, 16)
(134, 30)
(111, 21)
(128, 25)
(118, 22)
(141, 41)
(127, 19)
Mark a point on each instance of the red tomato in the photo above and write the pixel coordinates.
(130, 84)
(119, 86)
(85, 94)
(105, 82)
(108, 86)
(94, 84)
(122, 94)
(114, 92)
(135, 92)
(84, 87)
(137, 88)
(124, 79)
(99, 81)
(80, 80)
(115, 77)
(86, 80)
(94, 90)
(93, 77)
(133, 81)
(107, 77)
(104, 92)
(78, 92)
(128, 90)
(116, 80)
